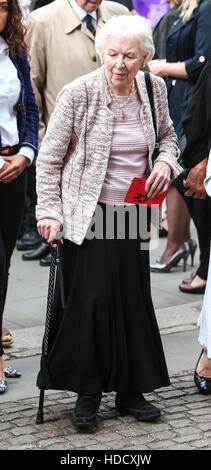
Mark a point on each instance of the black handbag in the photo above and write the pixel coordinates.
(178, 182)
(151, 100)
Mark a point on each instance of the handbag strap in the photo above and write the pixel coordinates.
(151, 100)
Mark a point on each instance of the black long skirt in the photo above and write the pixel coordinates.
(106, 337)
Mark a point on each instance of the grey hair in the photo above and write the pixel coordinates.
(127, 26)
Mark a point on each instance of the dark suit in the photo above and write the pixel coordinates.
(197, 128)
(197, 120)
(161, 31)
(188, 42)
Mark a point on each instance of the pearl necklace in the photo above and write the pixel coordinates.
(120, 114)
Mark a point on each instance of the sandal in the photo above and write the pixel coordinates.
(6, 332)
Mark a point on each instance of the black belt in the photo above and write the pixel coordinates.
(9, 150)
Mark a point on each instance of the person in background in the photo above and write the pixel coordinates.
(202, 374)
(160, 33)
(19, 121)
(196, 157)
(196, 127)
(49, 48)
(28, 238)
(187, 48)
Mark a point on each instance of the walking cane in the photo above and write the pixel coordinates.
(54, 262)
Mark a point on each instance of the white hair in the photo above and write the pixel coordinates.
(127, 26)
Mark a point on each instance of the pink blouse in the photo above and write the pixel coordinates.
(129, 152)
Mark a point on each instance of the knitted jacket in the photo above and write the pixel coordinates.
(73, 157)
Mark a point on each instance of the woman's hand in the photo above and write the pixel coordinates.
(158, 67)
(6, 166)
(48, 229)
(171, 69)
(195, 180)
(17, 163)
(158, 180)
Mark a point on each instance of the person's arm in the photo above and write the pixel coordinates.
(30, 137)
(162, 68)
(50, 160)
(34, 39)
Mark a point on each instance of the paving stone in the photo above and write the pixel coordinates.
(188, 438)
(172, 394)
(205, 426)
(187, 430)
(164, 445)
(18, 431)
(201, 443)
(14, 409)
(19, 440)
(201, 411)
(4, 426)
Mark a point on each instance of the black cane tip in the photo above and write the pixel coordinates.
(39, 419)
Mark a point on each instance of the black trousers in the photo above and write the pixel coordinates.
(28, 222)
(12, 198)
(200, 211)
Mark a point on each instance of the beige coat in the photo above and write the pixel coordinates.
(73, 157)
(61, 49)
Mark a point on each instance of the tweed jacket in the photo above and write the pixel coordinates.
(73, 157)
(61, 49)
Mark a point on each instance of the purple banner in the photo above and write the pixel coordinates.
(153, 10)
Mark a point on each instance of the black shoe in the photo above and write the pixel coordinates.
(134, 404)
(163, 232)
(203, 383)
(85, 411)
(42, 250)
(46, 260)
(28, 241)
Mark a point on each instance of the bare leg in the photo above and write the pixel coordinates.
(178, 224)
(3, 364)
(204, 365)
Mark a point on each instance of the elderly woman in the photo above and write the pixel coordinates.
(99, 138)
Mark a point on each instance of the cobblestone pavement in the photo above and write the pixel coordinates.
(185, 423)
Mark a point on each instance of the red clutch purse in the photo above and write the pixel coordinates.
(137, 195)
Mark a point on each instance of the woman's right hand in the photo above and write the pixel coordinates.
(5, 167)
(48, 229)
